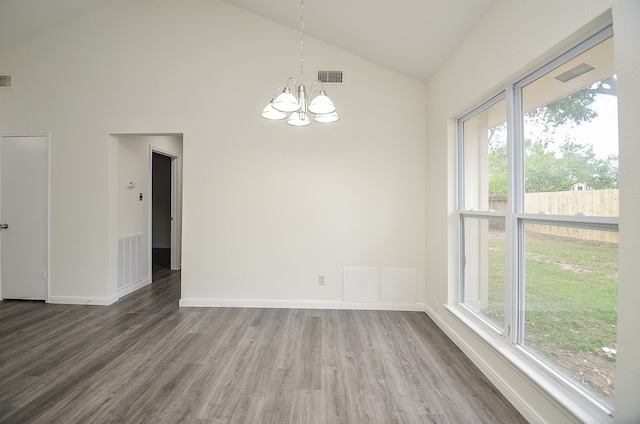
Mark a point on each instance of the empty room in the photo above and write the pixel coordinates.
(319, 211)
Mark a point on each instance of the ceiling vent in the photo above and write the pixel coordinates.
(330, 77)
(5, 81)
(572, 73)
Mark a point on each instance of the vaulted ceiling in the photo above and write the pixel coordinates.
(413, 37)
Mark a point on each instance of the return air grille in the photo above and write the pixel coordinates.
(129, 260)
(5, 81)
(331, 77)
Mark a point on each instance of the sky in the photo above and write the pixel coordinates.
(601, 132)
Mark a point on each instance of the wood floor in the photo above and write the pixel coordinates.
(144, 360)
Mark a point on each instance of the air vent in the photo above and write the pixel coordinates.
(572, 73)
(129, 260)
(5, 81)
(330, 77)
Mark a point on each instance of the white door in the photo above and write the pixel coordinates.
(23, 215)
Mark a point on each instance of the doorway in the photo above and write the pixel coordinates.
(160, 211)
(134, 186)
(24, 215)
(165, 211)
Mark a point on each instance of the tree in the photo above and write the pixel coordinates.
(498, 166)
(573, 109)
(547, 170)
(553, 165)
(584, 167)
(544, 171)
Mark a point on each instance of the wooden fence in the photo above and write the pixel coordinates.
(587, 202)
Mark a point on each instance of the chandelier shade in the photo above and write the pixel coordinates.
(327, 117)
(321, 104)
(269, 112)
(299, 119)
(285, 102)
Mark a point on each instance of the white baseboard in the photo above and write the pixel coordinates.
(299, 304)
(77, 300)
(133, 287)
(99, 301)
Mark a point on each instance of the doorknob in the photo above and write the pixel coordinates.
(4, 226)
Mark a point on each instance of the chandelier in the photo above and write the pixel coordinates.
(285, 102)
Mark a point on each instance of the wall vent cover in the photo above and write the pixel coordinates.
(129, 260)
(5, 81)
(330, 77)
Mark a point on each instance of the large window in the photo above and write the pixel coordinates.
(538, 217)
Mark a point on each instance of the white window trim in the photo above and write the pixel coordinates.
(560, 390)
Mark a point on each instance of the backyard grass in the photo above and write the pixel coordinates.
(570, 304)
(570, 292)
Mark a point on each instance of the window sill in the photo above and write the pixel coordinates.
(557, 389)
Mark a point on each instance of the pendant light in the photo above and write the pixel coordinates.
(284, 102)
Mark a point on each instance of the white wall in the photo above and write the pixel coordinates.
(514, 37)
(266, 207)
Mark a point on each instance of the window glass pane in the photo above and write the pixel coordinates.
(570, 303)
(484, 268)
(485, 159)
(571, 137)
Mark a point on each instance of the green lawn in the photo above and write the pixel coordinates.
(570, 294)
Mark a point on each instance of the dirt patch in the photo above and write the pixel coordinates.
(593, 372)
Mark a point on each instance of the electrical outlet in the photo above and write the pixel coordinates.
(321, 280)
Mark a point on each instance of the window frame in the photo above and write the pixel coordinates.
(462, 212)
(510, 340)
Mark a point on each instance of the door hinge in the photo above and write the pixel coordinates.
(44, 274)
(44, 154)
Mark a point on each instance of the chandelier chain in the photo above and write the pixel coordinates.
(301, 42)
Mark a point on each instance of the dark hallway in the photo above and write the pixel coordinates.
(161, 212)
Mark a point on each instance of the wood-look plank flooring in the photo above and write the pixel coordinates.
(145, 360)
